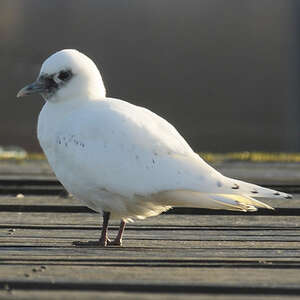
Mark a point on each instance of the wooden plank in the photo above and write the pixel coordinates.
(154, 280)
(42, 200)
(96, 295)
(161, 277)
(25, 169)
(86, 219)
(245, 254)
(177, 234)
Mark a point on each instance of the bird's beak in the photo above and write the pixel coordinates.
(36, 87)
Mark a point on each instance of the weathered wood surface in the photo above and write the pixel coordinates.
(173, 256)
(167, 257)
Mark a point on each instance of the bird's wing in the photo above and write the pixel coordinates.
(129, 150)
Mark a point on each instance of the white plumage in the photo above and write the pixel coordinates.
(124, 159)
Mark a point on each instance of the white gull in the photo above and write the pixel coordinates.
(122, 160)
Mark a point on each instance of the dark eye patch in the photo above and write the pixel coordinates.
(50, 83)
(64, 75)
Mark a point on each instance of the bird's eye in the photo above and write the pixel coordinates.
(63, 75)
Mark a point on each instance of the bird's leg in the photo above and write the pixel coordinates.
(118, 240)
(103, 241)
(104, 234)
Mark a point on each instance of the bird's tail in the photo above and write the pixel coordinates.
(186, 198)
(254, 190)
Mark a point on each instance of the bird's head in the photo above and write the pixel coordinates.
(66, 75)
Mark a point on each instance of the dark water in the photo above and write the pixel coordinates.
(225, 73)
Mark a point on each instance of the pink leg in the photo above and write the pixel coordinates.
(118, 240)
(104, 233)
(103, 241)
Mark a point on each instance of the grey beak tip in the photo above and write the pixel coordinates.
(36, 87)
(19, 95)
(28, 90)
(23, 92)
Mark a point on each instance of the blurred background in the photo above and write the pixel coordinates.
(224, 72)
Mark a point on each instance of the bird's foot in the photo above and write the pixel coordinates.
(116, 242)
(100, 243)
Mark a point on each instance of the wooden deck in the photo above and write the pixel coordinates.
(186, 254)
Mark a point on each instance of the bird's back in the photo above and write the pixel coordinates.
(125, 145)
